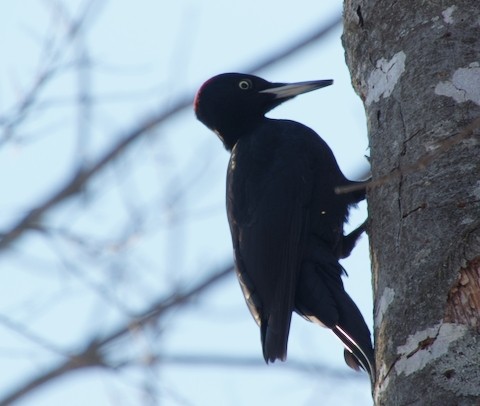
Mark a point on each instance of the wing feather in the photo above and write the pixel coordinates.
(267, 206)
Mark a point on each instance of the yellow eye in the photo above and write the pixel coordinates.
(245, 84)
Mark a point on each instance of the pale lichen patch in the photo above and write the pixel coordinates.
(447, 14)
(382, 381)
(427, 345)
(385, 300)
(384, 77)
(464, 85)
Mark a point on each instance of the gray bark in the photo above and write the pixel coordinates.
(416, 66)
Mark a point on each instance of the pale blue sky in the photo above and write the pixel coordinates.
(144, 54)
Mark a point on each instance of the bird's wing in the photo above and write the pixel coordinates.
(267, 205)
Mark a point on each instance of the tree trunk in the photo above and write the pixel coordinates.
(415, 64)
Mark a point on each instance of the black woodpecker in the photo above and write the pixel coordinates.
(285, 218)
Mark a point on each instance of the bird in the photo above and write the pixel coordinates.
(286, 220)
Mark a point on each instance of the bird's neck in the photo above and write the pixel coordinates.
(229, 134)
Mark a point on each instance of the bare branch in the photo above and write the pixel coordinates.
(48, 70)
(94, 352)
(80, 179)
(23, 331)
(296, 46)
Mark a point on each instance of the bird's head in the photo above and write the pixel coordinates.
(232, 104)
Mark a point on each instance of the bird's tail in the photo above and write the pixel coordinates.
(321, 297)
(274, 338)
(355, 335)
(356, 357)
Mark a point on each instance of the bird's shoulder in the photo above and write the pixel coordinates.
(287, 134)
(277, 142)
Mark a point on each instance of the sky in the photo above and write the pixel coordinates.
(155, 219)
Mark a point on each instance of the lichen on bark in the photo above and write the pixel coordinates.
(415, 65)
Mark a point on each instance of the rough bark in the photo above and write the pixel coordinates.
(416, 66)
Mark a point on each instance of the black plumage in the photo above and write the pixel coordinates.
(285, 218)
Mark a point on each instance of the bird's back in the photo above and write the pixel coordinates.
(279, 198)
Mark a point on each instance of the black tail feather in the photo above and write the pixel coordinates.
(356, 357)
(274, 342)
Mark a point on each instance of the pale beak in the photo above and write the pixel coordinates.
(289, 90)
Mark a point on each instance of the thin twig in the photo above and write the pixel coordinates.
(48, 70)
(79, 180)
(421, 163)
(26, 333)
(94, 352)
